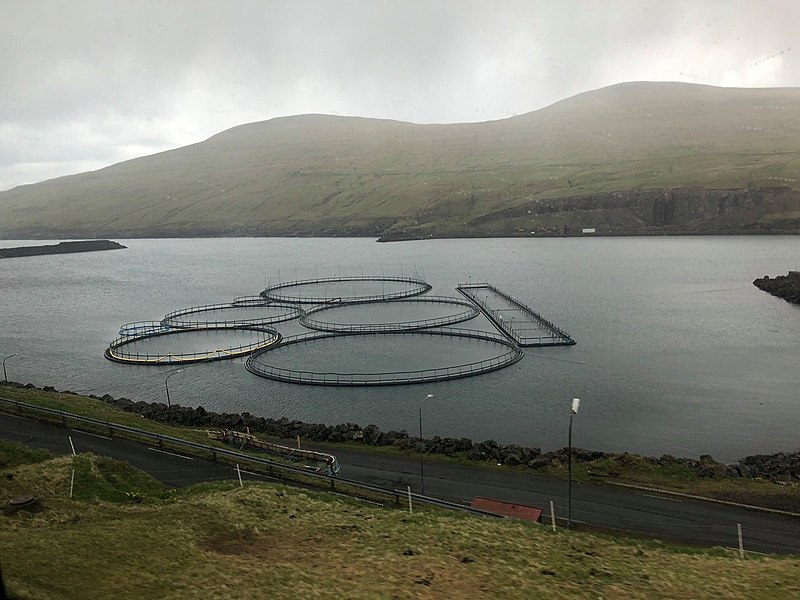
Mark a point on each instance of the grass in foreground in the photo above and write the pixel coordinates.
(13, 454)
(132, 539)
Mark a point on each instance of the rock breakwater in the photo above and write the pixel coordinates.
(782, 466)
(782, 286)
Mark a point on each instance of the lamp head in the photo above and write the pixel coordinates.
(171, 373)
(575, 403)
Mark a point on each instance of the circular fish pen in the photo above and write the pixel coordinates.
(142, 328)
(382, 316)
(231, 315)
(250, 301)
(380, 353)
(191, 345)
(346, 290)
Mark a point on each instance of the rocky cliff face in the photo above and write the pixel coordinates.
(642, 212)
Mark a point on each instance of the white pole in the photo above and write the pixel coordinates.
(71, 484)
(552, 515)
(71, 445)
(741, 544)
(239, 473)
(410, 510)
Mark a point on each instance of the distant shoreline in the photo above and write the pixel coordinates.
(402, 237)
(382, 238)
(60, 248)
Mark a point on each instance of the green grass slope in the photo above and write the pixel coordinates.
(122, 536)
(330, 175)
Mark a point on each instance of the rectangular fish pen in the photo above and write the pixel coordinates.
(516, 320)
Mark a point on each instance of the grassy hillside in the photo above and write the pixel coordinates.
(122, 536)
(328, 175)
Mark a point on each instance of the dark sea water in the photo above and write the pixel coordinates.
(677, 351)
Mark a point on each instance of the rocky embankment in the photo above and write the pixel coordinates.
(783, 466)
(782, 286)
(60, 248)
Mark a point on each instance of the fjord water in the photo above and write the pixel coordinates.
(677, 352)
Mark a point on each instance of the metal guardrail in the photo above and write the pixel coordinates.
(240, 457)
(248, 439)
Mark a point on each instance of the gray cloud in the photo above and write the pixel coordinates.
(87, 84)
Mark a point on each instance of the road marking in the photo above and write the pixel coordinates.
(97, 435)
(170, 453)
(662, 498)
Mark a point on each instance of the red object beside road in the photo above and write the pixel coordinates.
(526, 512)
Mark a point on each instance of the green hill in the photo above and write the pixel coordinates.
(630, 158)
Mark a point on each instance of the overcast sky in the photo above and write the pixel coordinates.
(87, 84)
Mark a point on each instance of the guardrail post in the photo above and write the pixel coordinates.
(739, 535)
(333, 484)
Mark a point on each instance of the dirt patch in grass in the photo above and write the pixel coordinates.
(337, 554)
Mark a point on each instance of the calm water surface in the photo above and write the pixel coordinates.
(677, 351)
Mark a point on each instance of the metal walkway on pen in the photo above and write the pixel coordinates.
(516, 320)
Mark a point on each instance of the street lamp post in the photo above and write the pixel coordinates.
(5, 376)
(575, 403)
(166, 387)
(421, 449)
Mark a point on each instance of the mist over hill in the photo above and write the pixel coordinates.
(634, 158)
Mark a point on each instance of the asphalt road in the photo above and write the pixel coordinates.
(171, 468)
(645, 513)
